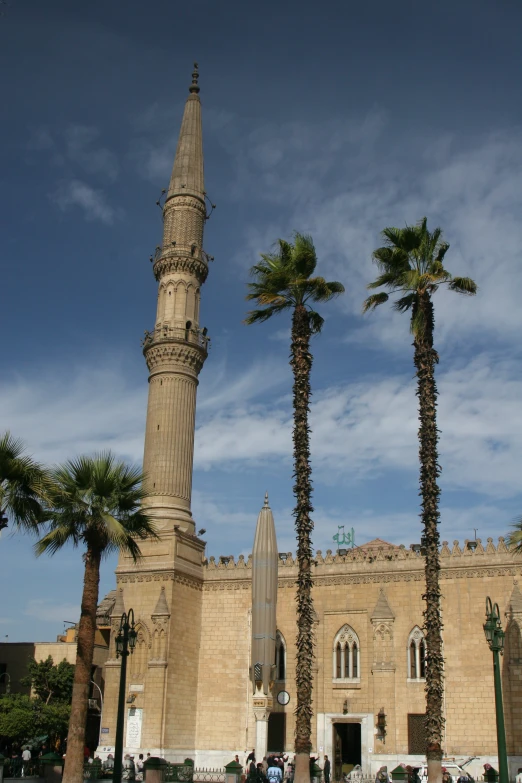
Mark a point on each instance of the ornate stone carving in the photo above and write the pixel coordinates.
(190, 357)
(176, 263)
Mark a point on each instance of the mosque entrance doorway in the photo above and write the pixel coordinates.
(347, 748)
(276, 732)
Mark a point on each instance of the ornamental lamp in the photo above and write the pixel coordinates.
(489, 629)
(501, 635)
(132, 638)
(119, 641)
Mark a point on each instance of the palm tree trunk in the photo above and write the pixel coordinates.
(301, 362)
(426, 358)
(73, 771)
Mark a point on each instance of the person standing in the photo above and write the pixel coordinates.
(326, 769)
(26, 758)
(274, 773)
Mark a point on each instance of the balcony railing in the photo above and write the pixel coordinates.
(177, 333)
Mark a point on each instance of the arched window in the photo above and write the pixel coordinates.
(346, 655)
(280, 660)
(416, 654)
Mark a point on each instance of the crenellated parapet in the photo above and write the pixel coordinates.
(376, 564)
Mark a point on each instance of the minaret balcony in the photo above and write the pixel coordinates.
(177, 334)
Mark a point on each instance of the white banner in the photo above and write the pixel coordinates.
(134, 720)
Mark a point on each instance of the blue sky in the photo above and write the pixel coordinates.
(335, 119)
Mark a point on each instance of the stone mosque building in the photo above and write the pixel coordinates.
(189, 687)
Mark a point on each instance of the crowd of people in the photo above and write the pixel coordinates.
(280, 769)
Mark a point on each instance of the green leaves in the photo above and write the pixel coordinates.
(283, 279)
(51, 682)
(514, 540)
(23, 484)
(96, 501)
(411, 264)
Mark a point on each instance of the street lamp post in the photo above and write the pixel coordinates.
(125, 644)
(8, 682)
(495, 638)
(101, 708)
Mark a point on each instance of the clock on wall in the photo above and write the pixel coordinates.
(283, 697)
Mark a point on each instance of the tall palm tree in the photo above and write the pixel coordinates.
(22, 485)
(93, 502)
(411, 265)
(283, 280)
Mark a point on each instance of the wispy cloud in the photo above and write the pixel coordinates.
(93, 203)
(82, 149)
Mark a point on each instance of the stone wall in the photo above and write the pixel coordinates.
(196, 695)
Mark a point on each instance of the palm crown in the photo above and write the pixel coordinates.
(23, 483)
(283, 280)
(411, 263)
(96, 501)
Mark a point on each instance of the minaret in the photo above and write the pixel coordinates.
(177, 348)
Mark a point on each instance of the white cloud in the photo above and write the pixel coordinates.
(345, 184)
(81, 149)
(76, 193)
(45, 609)
(359, 430)
(62, 414)
(365, 428)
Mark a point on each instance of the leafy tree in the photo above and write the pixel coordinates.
(23, 717)
(22, 485)
(411, 265)
(51, 682)
(93, 502)
(284, 280)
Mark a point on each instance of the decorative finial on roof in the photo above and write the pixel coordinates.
(194, 87)
(266, 500)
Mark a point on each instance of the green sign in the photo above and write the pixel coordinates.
(343, 538)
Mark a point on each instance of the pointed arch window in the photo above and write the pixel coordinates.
(280, 660)
(346, 656)
(416, 654)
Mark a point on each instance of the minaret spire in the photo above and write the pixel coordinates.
(177, 348)
(187, 173)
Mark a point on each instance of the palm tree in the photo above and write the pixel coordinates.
(514, 539)
(93, 502)
(284, 280)
(22, 485)
(411, 265)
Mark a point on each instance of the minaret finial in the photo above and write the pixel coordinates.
(194, 87)
(266, 500)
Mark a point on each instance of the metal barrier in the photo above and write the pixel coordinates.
(184, 773)
(209, 775)
(18, 768)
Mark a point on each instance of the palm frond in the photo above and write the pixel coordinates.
(55, 540)
(96, 500)
(405, 303)
(23, 484)
(284, 279)
(374, 301)
(258, 316)
(514, 539)
(316, 322)
(463, 285)
(304, 255)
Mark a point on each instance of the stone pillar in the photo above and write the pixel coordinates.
(262, 708)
